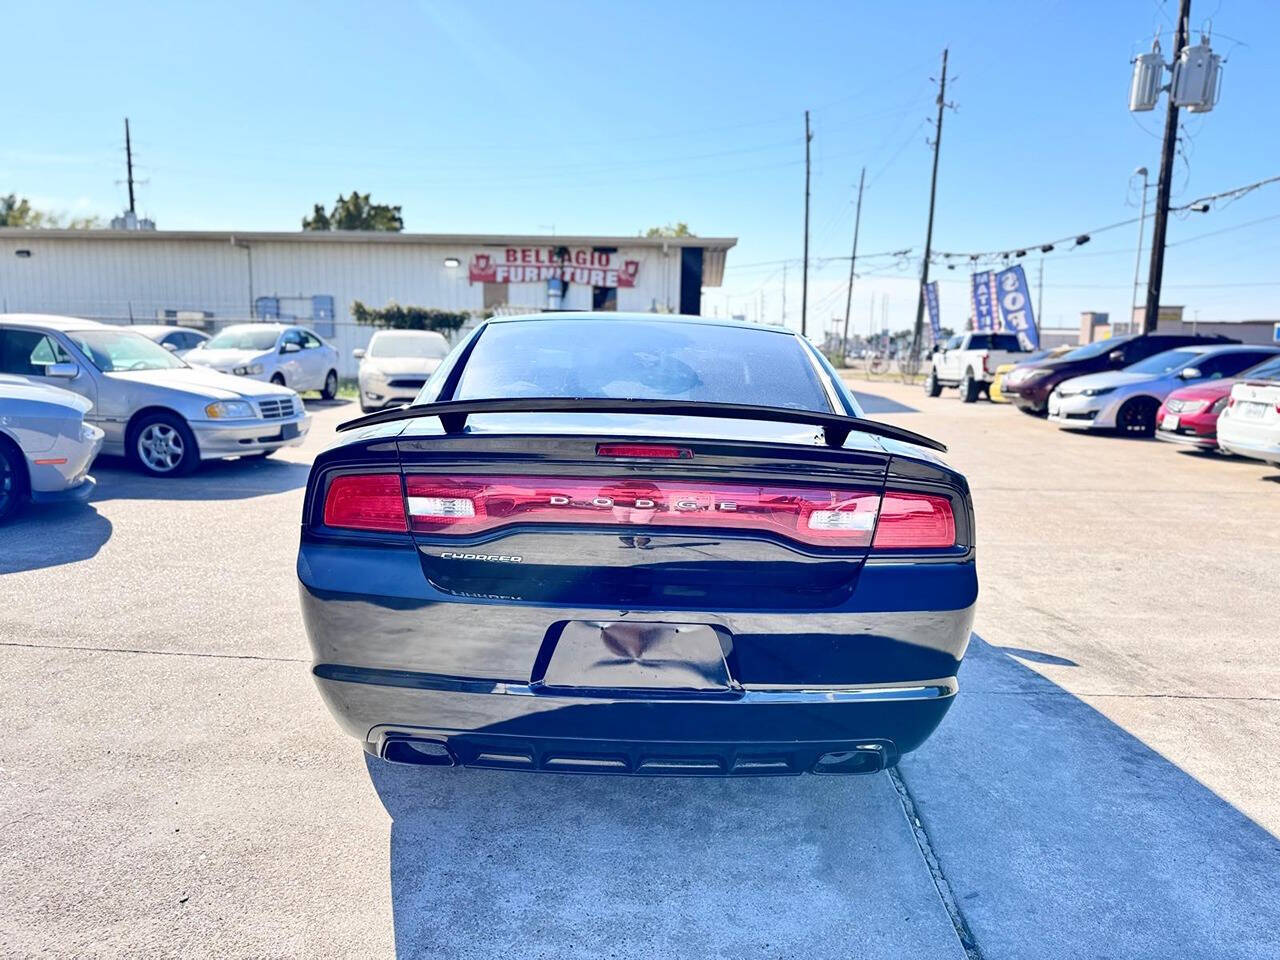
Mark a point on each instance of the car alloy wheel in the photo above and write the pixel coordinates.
(161, 447)
(1138, 417)
(330, 385)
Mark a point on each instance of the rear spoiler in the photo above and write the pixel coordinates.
(453, 415)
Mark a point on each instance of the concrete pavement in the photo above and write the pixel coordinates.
(170, 783)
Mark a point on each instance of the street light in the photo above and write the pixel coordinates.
(1137, 267)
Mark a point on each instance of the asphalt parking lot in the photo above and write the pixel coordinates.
(171, 785)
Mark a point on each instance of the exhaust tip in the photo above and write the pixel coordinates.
(863, 758)
(415, 751)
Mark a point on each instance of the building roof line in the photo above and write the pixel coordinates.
(367, 236)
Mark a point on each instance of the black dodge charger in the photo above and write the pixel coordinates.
(636, 544)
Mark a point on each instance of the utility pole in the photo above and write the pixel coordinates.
(128, 162)
(848, 299)
(1137, 266)
(784, 294)
(1040, 295)
(933, 194)
(1155, 276)
(804, 286)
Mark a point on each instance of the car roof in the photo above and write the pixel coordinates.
(49, 321)
(152, 329)
(1225, 347)
(612, 317)
(425, 333)
(260, 325)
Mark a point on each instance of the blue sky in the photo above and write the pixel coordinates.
(609, 118)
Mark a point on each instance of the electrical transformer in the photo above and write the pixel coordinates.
(1148, 77)
(1197, 75)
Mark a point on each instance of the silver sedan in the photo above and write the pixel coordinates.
(45, 445)
(155, 409)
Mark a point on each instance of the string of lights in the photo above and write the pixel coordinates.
(1076, 240)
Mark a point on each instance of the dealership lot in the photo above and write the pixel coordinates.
(171, 783)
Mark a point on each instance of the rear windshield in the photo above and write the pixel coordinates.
(994, 341)
(653, 360)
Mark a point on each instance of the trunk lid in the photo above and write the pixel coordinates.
(572, 525)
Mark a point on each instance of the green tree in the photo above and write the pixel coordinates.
(17, 211)
(355, 212)
(677, 229)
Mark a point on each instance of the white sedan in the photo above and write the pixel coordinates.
(45, 445)
(396, 365)
(1250, 424)
(179, 340)
(279, 353)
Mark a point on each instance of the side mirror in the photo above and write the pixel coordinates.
(1116, 356)
(1191, 373)
(63, 371)
(358, 353)
(289, 348)
(171, 347)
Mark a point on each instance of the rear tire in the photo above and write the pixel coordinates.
(162, 445)
(330, 388)
(969, 388)
(13, 481)
(1137, 418)
(1032, 412)
(931, 385)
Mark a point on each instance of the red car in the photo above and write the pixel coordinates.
(1190, 414)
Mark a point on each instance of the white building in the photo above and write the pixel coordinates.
(209, 279)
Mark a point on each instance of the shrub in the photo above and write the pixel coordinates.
(395, 317)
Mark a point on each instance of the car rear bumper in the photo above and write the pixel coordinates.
(478, 673)
(1258, 443)
(418, 718)
(241, 437)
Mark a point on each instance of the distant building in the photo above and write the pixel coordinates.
(1246, 331)
(1094, 326)
(210, 279)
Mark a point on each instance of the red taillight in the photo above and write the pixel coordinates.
(915, 521)
(367, 501)
(1231, 402)
(650, 450)
(986, 367)
(462, 506)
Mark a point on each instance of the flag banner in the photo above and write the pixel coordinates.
(1015, 306)
(983, 301)
(931, 301)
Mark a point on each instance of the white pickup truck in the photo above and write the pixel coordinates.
(969, 361)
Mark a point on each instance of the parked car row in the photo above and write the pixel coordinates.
(1207, 392)
(167, 398)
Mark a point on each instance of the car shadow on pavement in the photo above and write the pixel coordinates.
(47, 536)
(500, 864)
(1063, 836)
(215, 480)
(1058, 834)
